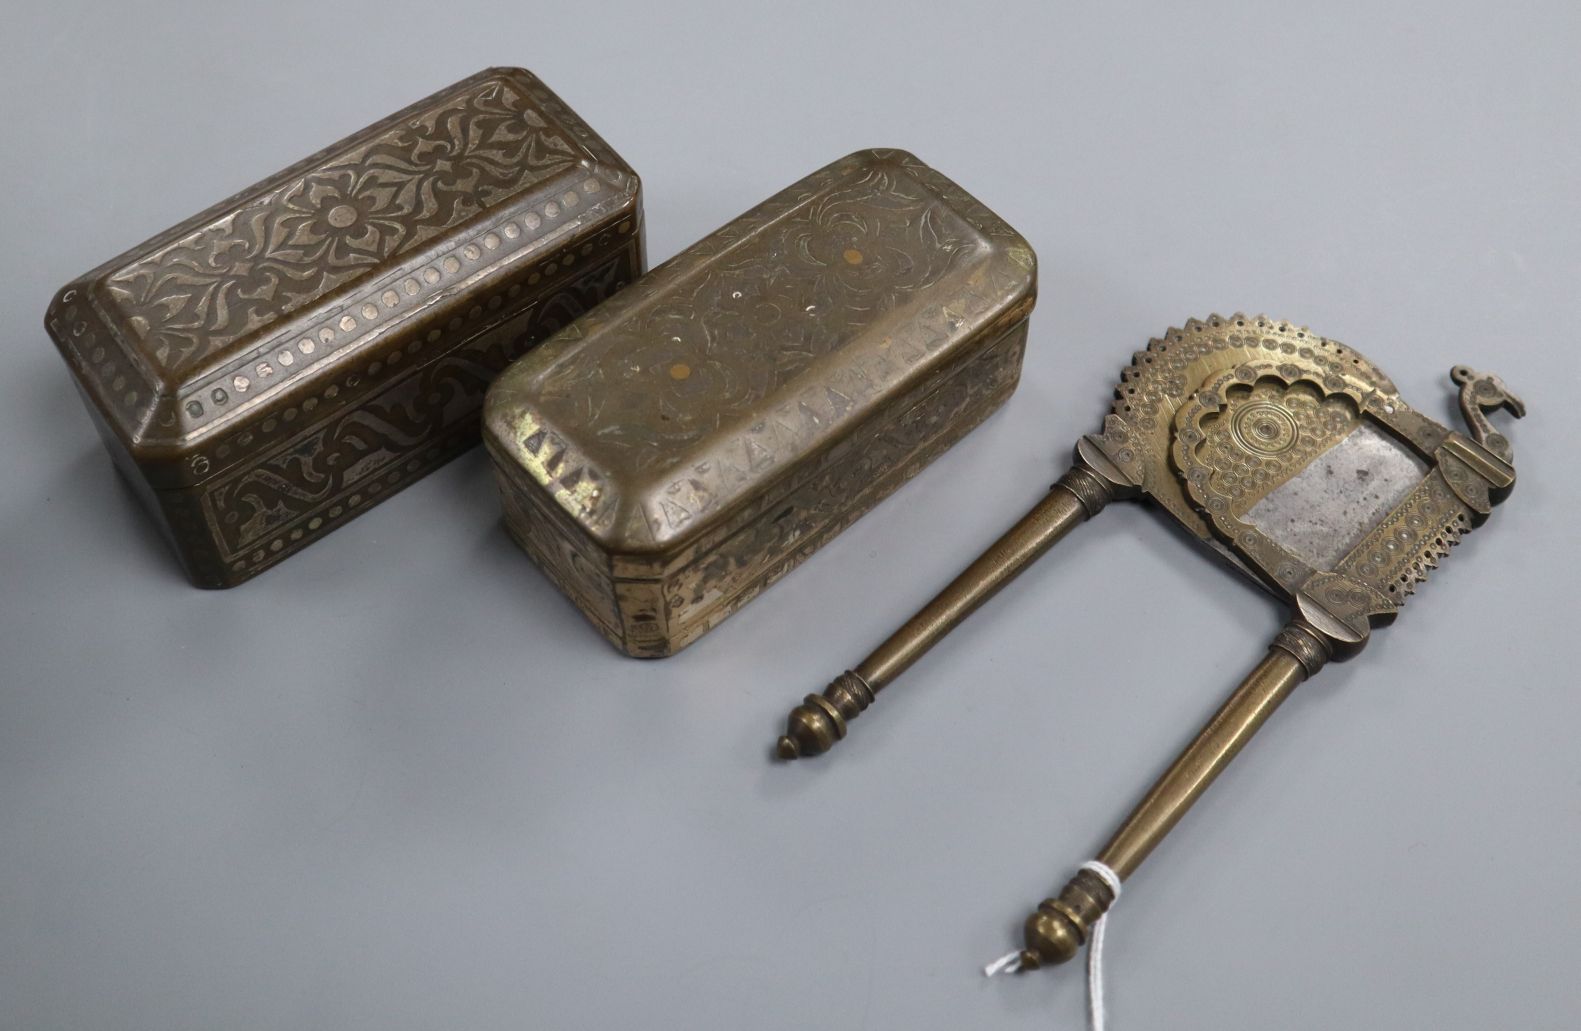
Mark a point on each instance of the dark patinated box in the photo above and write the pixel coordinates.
(275, 365)
(669, 455)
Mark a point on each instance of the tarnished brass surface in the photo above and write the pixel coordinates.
(815, 725)
(1060, 926)
(274, 366)
(671, 454)
(1294, 458)
(1264, 688)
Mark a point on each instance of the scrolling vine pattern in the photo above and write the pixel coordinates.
(342, 219)
(741, 326)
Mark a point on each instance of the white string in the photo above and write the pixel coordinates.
(1095, 1012)
(1010, 962)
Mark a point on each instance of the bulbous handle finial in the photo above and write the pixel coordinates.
(819, 721)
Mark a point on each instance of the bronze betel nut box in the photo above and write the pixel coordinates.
(675, 451)
(273, 366)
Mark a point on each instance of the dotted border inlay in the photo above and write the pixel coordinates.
(276, 363)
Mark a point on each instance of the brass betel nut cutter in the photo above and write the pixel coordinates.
(1294, 458)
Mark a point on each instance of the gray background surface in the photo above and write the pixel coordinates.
(397, 783)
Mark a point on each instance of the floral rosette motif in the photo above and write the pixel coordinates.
(341, 219)
(305, 237)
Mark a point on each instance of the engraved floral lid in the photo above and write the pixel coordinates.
(253, 302)
(656, 414)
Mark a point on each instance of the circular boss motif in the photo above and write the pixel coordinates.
(1264, 428)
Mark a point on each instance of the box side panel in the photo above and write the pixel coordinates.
(323, 471)
(150, 499)
(848, 480)
(561, 551)
(177, 514)
(629, 613)
(113, 382)
(642, 615)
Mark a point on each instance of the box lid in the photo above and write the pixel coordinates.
(187, 335)
(655, 416)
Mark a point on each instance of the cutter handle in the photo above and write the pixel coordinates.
(1059, 927)
(814, 726)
